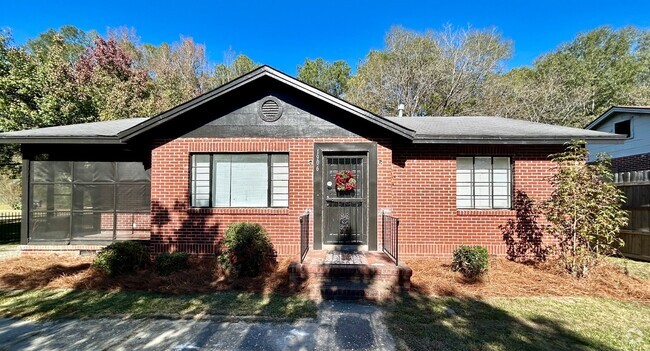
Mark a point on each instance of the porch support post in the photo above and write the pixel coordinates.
(24, 222)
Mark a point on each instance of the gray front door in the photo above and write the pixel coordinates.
(345, 210)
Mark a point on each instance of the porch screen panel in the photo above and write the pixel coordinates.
(50, 213)
(92, 216)
(78, 200)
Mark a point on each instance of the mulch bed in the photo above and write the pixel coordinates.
(510, 279)
(52, 271)
(430, 277)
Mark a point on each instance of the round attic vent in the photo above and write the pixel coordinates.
(270, 109)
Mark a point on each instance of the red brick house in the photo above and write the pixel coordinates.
(267, 148)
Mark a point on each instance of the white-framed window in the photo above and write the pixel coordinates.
(483, 182)
(239, 180)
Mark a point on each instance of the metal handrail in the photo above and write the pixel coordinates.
(304, 236)
(390, 236)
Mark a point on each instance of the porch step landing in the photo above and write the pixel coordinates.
(350, 275)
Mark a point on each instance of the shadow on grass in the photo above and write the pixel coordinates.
(53, 304)
(448, 323)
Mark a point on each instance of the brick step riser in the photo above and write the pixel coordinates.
(392, 278)
(345, 293)
(388, 282)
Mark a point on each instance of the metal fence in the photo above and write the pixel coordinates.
(10, 227)
(304, 236)
(389, 236)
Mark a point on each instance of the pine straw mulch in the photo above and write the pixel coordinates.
(510, 279)
(430, 277)
(52, 271)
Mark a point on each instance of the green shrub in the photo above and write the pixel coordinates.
(247, 249)
(121, 257)
(167, 263)
(471, 261)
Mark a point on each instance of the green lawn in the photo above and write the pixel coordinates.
(49, 304)
(421, 323)
(638, 269)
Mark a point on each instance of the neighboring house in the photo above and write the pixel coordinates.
(633, 154)
(631, 167)
(266, 148)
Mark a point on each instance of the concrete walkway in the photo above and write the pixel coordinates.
(339, 326)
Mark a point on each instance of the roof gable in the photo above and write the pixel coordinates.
(614, 110)
(259, 73)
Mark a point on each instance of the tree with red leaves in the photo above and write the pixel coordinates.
(107, 74)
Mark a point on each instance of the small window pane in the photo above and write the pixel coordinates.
(464, 190)
(502, 163)
(464, 176)
(501, 176)
(280, 180)
(465, 163)
(500, 190)
(501, 202)
(221, 176)
(482, 164)
(200, 179)
(464, 202)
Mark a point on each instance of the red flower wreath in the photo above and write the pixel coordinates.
(345, 181)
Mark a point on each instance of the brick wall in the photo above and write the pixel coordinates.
(639, 162)
(425, 197)
(416, 183)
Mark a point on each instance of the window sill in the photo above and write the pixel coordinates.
(240, 210)
(486, 212)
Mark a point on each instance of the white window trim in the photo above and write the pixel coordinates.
(491, 183)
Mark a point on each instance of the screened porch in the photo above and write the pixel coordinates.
(87, 202)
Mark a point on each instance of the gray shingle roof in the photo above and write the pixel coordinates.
(95, 130)
(493, 129)
(458, 129)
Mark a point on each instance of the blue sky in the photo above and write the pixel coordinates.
(283, 33)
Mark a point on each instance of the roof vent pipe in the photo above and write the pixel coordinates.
(400, 110)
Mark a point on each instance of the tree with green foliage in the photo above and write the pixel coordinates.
(431, 73)
(584, 210)
(577, 82)
(38, 88)
(331, 78)
(180, 71)
(232, 67)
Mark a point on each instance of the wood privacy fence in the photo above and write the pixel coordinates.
(636, 186)
(10, 227)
